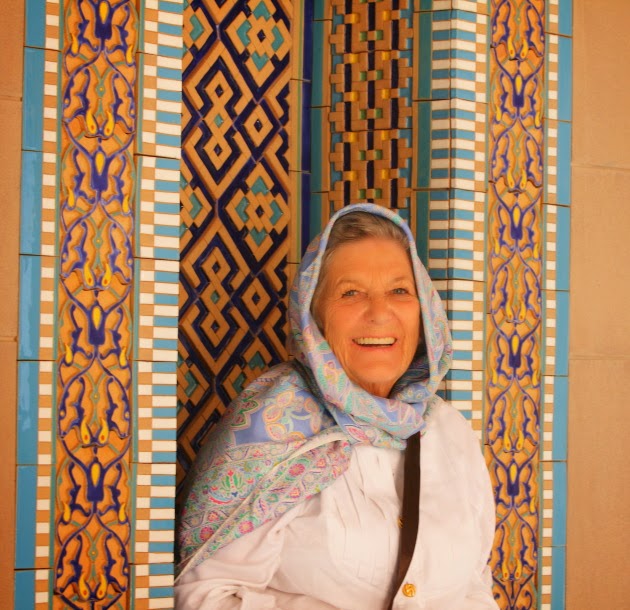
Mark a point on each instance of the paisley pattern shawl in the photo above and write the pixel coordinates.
(290, 433)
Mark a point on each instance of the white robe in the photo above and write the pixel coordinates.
(340, 548)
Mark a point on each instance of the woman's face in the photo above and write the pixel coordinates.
(370, 313)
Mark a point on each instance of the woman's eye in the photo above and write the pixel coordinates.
(400, 291)
(350, 293)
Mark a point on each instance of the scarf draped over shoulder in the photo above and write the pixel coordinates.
(290, 433)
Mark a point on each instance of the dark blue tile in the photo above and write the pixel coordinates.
(25, 517)
(28, 328)
(307, 40)
(31, 208)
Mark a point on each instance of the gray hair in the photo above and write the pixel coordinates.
(351, 227)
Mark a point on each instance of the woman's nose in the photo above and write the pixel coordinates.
(379, 308)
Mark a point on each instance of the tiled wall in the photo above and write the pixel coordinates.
(266, 158)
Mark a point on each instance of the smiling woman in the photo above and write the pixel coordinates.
(295, 500)
(368, 310)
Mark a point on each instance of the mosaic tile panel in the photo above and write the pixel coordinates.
(371, 111)
(236, 204)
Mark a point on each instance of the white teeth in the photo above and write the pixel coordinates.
(375, 341)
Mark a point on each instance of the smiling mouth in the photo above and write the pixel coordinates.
(375, 341)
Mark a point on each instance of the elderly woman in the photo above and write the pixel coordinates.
(296, 501)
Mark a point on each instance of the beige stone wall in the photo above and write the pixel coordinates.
(11, 49)
(598, 535)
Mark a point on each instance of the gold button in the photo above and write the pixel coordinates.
(400, 522)
(409, 590)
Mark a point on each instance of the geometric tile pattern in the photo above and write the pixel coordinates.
(236, 206)
(370, 115)
(514, 367)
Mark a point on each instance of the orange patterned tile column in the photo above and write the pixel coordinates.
(514, 302)
(96, 219)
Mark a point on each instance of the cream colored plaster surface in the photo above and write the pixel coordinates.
(598, 529)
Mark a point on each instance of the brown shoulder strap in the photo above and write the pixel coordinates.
(410, 509)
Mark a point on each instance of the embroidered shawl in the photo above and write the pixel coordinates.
(290, 433)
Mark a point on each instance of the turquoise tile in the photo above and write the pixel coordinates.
(155, 592)
(560, 417)
(166, 163)
(558, 577)
(559, 535)
(314, 217)
(164, 367)
(25, 517)
(24, 593)
(565, 75)
(28, 328)
(161, 569)
(424, 56)
(565, 17)
(422, 226)
(317, 162)
(423, 153)
(317, 92)
(169, 254)
(563, 176)
(31, 208)
(563, 246)
(562, 333)
(168, 277)
(35, 17)
(28, 384)
(170, 7)
(33, 107)
(162, 502)
(164, 457)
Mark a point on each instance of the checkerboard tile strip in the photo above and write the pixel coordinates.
(160, 76)
(159, 218)
(456, 241)
(157, 249)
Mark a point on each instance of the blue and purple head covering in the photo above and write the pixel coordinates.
(290, 433)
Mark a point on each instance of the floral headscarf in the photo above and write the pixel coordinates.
(290, 434)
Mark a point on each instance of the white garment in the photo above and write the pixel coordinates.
(340, 549)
